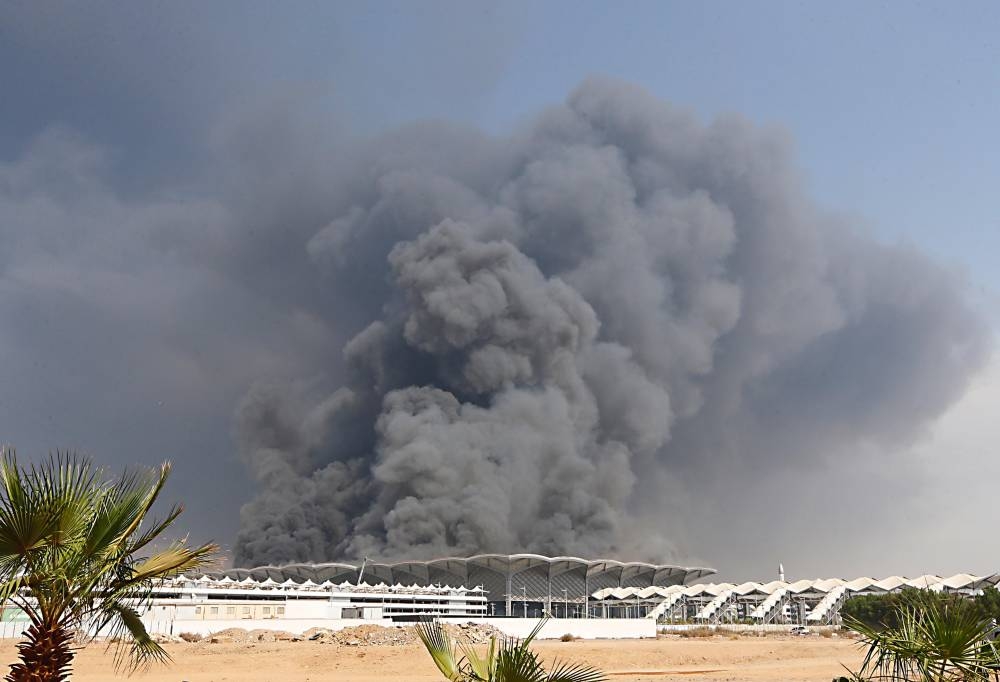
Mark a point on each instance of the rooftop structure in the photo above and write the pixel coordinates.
(208, 598)
(203, 604)
(514, 584)
(815, 602)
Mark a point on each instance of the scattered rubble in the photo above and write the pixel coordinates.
(361, 635)
(364, 635)
(158, 638)
(240, 636)
(474, 633)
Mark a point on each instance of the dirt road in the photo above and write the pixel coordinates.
(770, 659)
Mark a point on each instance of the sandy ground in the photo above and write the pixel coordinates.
(772, 659)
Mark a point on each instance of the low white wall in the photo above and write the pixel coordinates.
(13, 629)
(295, 626)
(583, 628)
(741, 627)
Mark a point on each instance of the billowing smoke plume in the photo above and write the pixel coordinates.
(561, 329)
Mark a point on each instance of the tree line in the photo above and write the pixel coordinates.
(883, 610)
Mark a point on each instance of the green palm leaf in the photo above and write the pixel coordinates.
(934, 638)
(480, 667)
(439, 646)
(510, 660)
(575, 673)
(134, 648)
(71, 544)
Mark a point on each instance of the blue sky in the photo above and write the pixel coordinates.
(893, 106)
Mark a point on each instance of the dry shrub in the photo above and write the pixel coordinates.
(568, 638)
(190, 637)
(697, 632)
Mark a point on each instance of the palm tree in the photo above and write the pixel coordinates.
(512, 660)
(935, 638)
(77, 559)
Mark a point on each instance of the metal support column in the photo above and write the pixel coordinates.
(509, 590)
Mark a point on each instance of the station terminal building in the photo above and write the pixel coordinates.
(524, 585)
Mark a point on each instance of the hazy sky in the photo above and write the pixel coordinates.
(149, 153)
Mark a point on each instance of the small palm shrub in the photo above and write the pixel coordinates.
(77, 556)
(507, 660)
(933, 638)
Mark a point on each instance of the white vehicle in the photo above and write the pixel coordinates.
(800, 630)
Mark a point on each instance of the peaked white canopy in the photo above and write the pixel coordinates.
(961, 581)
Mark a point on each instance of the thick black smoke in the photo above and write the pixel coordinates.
(566, 332)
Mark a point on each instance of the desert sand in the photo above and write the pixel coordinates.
(668, 658)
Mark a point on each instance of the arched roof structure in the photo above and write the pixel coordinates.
(531, 577)
(959, 582)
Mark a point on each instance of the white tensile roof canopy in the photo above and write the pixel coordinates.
(512, 577)
(960, 581)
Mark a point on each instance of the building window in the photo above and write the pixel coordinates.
(197, 610)
(230, 610)
(267, 610)
(281, 610)
(246, 610)
(214, 610)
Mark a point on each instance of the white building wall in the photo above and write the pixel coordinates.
(311, 609)
(295, 626)
(582, 628)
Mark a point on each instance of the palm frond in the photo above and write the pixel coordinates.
(136, 650)
(510, 660)
(535, 630)
(12, 586)
(173, 561)
(442, 651)
(29, 512)
(69, 543)
(155, 530)
(118, 510)
(148, 495)
(479, 667)
(566, 672)
(933, 638)
(518, 664)
(12, 492)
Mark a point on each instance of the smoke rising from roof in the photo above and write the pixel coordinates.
(568, 332)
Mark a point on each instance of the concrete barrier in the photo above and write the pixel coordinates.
(295, 626)
(741, 627)
(582, 628)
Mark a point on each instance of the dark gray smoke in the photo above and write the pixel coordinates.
(568, 334)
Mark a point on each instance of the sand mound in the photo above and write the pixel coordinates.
(475, 633)
(375, 635)
(240, 636)
(364, 635)
(360, 635)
